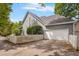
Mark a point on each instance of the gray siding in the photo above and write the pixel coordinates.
(63, 26)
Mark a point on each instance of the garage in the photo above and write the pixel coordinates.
(58, 34)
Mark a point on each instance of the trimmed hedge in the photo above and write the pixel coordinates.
(34, 30)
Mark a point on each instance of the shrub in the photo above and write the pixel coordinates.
(34, 30)
(17, 32)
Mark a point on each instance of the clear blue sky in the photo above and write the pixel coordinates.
(20, 9)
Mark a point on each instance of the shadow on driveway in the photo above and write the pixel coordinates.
(46, 45)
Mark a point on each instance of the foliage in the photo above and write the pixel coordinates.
(5, 9)
(34, 30)
(67, 9)
(5, 28)
(16, 28)
(5, 23)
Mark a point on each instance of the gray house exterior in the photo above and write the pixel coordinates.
(54, 27)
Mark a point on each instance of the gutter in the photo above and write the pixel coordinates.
(62, 23)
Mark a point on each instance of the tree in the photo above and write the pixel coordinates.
(5, 23)
(5, 9)
(67, 9)
(16, 28)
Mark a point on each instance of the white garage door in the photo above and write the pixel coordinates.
(60, 34)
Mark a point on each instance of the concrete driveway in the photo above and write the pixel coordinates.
(37, 48)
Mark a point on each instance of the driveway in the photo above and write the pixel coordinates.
(37, 48)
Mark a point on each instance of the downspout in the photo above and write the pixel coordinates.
(73, 28)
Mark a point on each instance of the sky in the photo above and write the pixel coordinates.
(20, 9)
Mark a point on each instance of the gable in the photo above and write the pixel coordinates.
(34, 16)
(31, 19)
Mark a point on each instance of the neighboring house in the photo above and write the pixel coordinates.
(55, 26)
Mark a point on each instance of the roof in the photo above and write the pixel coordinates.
(49, 20)
(53, 18)
(59, 19)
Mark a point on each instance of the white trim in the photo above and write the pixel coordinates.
(61, 23)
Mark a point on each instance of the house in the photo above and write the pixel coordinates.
(54, 26)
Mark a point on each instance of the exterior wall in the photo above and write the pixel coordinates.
(25, 26)
(30, 21)
(69, 26)
(73, 41)
(77, 26)
(77, 34)
(77, 40)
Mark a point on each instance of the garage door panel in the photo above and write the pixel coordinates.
(60, 34)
